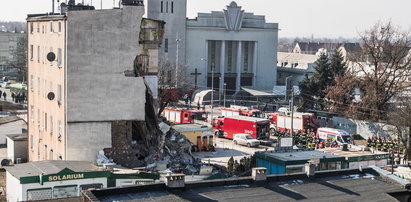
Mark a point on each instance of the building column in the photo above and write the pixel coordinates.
(238, 78)
(222, 66)
(255, 64)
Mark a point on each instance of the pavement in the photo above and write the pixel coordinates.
(225, 149)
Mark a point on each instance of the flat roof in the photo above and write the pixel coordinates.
(298, 157)
(354, 187)
(18, 137)
(355, 154)
(190, 127)
(49, 167)
(247, 118)
(9, 119)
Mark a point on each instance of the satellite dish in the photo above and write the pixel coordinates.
(51, 56)
(51, 96)
(5, 162)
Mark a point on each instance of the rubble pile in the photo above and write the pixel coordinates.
(175, 153)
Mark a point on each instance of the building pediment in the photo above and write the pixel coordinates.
(233, 17)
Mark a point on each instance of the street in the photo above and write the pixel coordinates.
(225, 149)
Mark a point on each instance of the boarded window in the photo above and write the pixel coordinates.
(39, 194)
(65, 191)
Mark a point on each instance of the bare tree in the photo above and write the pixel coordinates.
(19, 59)
(169, 92)
(381, 67)
(400, 118)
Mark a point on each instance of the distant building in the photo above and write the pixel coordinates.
(241, 47)
(45, 180)
(85, 84)
(8, 45)
(294, 66)
(328, 48)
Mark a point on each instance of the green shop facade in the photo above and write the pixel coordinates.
(294, 161)
(39, 181)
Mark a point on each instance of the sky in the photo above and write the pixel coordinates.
(296, 18)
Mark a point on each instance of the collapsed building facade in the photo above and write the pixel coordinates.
(87, 91)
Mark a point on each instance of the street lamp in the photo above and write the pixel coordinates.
(225, 89)
(219, 93)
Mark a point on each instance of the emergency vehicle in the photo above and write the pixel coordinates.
(334, 135)
(282, 121)
(227, 127)
(235, 110)
(178, 116)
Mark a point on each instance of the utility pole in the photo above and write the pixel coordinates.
(219, 92)
(177, 41)
(212, 89)
(292, 111)
(225, 89)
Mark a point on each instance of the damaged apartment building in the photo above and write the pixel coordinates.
(86, 72)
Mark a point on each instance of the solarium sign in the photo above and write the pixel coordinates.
(67, 174)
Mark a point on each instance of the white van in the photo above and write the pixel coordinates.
(334, 135)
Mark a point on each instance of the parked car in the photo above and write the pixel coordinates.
(246, 139)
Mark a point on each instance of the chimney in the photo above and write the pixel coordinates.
(174, 181)
(310, 169)
(259, 174)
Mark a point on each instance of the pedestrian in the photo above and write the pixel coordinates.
(23, 97)
(1, 93)
(12, 96)
(4, 95)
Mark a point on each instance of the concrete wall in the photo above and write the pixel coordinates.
(364, 128)
(17, 149)
(11, 128)
(14, 188)
(175, 23)
(87, 139)
(102, 44)
(267, 41)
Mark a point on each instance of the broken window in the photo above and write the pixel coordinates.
(161, 7)
(166, 45)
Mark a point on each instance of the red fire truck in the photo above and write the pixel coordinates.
(239, 111)
(282, 121)
(178, 116)
(228, 126)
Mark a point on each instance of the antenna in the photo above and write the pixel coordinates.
(52, 6)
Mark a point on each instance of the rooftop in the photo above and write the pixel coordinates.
(18, 137)
(190, 127)
(298, 157)
(249, 118)
(49, 167)
(9, 119)
(346, 185)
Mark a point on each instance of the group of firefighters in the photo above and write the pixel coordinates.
(307, 139)
(382, 144)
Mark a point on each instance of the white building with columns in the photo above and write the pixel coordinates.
(241, 46)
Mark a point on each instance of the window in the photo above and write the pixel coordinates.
(166, 6)
(42, 29)
(38, 53)
(31, 142)
(38, 116)
(45, 88)
(246, 59)
(45, 121)
(51, 50)
(32, 113)
(38, 85)
(172, 7)
(31, 83)
(31, 52)
(161, 7)
(166, 45)
(59, 55)
(38, 27)
(59, 93)
(229, 56)
(51, 27)
(31, 28)
(51, 125)
(59, 24)
(59, 130)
